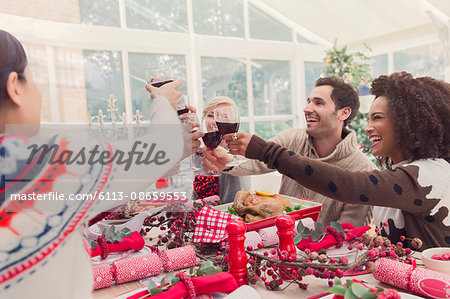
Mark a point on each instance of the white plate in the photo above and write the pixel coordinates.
(344, 251)
(402, 295)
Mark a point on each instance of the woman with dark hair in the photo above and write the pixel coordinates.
(15, 79)
(43, 249)
(409, 129)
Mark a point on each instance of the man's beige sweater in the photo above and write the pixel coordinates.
(346, 155)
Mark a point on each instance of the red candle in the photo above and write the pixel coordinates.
(237, 258)
(285, 226)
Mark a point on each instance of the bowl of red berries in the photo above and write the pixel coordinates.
(437, 258)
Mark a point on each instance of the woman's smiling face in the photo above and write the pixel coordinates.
(381, 131)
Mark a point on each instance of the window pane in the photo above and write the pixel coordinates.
(103, 77)
(218, 17)
(380, 66)
(244, 127)
(302, 39)
(263, 26)
(312, 73)
(422, 61)
(100, 12)
(167, 15)
(225, 77)
(37, 61)
(71, 85)
(138, 62)
(271, 87)
(268, 129)
(51, 10)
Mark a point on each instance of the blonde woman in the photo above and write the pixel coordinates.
(225, 185)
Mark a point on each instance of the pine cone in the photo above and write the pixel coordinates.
(218, 260)
(386, 242)
(251, 276)
(377, 241)
(371, 267)
(172, 244)
(366, 239)
(400, 251)
(207, 248)
(274, 284)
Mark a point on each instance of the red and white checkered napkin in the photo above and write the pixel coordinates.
(178, 258)
(210, 227)
(103, 276)
(137, 267)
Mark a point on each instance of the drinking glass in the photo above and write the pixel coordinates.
(211, 139)
(190, 118)
(159, 73)
(227, 120)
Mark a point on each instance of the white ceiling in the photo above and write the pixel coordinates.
(353, 22)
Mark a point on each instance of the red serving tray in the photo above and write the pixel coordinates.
(312, 211)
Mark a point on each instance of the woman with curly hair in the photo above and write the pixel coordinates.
(409, 129)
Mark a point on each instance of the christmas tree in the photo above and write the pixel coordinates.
(355, 69)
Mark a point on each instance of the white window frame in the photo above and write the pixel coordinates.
(193, 46)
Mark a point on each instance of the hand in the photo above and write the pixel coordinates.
(238, 146)
(195, 136)
(192, 109)
(216, 159)
(168, 91)
(190, 137)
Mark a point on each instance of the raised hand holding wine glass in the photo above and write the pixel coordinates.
(228, 121)
(159, 73)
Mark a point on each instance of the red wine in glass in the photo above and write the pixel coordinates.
(212, 139)
(160, 83)
(227, 127)
(182, 110)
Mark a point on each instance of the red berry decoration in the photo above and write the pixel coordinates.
(339, 273)
(339, 238)
(436, 257)
(205, 186)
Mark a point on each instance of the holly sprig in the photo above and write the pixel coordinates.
(318, 233)
(170, 280)
(354, 290)
(116, 236)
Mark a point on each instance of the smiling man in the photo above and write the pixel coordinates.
(332, 105)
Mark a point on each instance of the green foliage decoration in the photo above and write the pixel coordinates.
(355, 69)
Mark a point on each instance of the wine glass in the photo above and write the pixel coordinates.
(190, 118)
(227, 120)
(159, 72)
(211, 139)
